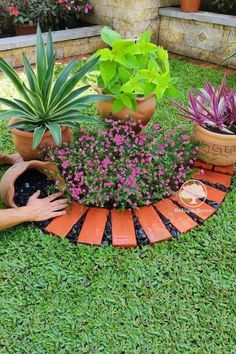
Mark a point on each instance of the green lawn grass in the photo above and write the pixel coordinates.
(173, 297)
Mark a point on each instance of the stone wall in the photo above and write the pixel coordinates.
(68, 43)
(129, 17)
(195, 38)
(64, 49)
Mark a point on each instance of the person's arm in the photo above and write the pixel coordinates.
(36, 210)
(10, 159)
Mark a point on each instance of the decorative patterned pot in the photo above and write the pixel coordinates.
(23, 141)
(145, 110)
(216, 149)
(22, 30)
(190, 5)
(7, 184)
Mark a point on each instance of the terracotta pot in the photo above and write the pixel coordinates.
(7, 184)
(22, 30)
(216, 149)
(145, 110)
(23, 141)
(12, 159)
(190, 5)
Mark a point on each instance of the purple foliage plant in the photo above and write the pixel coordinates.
(213, 109)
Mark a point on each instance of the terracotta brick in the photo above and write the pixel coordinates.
(203, 211)
(178, 218)
(123, 232)
(228, 170)
(94, 226)
(214, 194)
(213, 177)
(201, 164)
(62, 225)
(152, 224)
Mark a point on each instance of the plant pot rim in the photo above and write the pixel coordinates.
(216, 135)
(29, 134)
(17, 170)
(26, 25)
(99, 90)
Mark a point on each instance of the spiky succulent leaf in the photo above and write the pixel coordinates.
(45, 104)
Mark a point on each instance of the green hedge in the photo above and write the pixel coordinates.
(219, 6)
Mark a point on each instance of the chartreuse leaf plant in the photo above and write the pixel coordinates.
(46, 104)
(132, 68)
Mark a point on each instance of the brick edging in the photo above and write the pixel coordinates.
(161, 221)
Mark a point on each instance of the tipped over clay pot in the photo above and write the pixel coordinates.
(7, 184)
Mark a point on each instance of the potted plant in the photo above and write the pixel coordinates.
(71, 10)
(48, 18)
(133, 73)
(190, 5)
(47, 108)
(213, 112)
(25, 15)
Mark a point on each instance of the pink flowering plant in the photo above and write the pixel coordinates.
(73, 8)
(115, 168)
(23, 11)
(31, 12)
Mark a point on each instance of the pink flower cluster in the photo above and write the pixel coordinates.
(75, 6)
(116, 168)
(13, 11)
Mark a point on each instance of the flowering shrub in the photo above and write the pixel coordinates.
(23, 12)
(31, 11)
(115, 168)
(73, 8)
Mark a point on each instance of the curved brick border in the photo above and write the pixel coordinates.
(153, 219)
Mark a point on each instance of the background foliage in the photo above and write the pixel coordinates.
(221, 6)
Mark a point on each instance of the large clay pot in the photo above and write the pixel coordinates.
(23, 141)
(190, 5)
(7, 184)
(22, 30)
(145, 110)
(216, 149)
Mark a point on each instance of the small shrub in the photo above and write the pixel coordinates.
(115, 168)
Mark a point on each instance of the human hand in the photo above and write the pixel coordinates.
(46, 208)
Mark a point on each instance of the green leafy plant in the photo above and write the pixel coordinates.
(131, 68)
(223, 4)
(45, 104)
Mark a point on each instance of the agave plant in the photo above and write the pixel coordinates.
(46, 104)
(212, 108)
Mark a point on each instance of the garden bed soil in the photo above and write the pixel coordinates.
(218, 131)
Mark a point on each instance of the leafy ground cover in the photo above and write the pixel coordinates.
(174, 297)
